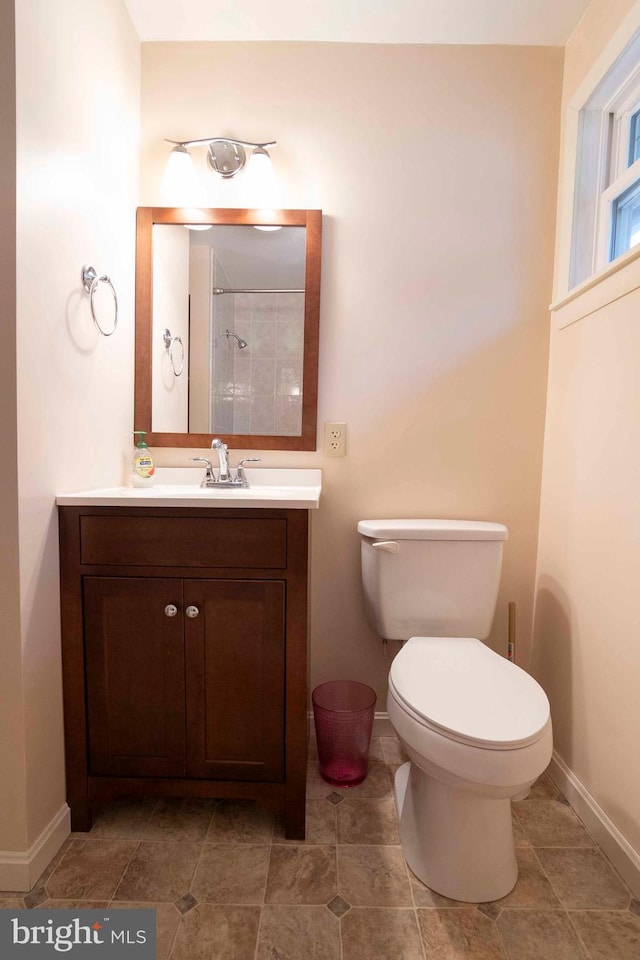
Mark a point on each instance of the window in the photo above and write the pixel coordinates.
(625, 221)
(634, 139)
(606, 222)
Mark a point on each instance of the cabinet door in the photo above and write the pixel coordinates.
(135, 676)
(235, 651)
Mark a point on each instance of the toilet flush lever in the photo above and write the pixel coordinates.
(389, 546)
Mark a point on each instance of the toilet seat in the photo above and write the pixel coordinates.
(461, 689)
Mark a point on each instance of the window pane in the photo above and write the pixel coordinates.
(625, 221)
(634, 138)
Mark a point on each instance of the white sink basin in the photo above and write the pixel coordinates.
(180, 487)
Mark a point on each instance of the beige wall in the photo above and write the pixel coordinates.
(598, 24)
(436, 169)
(586, 650)
(13, 826)
(77, 148)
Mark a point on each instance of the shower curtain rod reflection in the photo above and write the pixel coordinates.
(217, 291)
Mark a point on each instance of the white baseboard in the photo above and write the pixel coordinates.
(19, 870)
(381, 725)
(625, 859)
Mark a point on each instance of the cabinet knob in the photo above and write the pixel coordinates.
(192, 611)
(170, 610)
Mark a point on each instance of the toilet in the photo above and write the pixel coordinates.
(476, 727)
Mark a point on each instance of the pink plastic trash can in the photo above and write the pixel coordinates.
(343, 713)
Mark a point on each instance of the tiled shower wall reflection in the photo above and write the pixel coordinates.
(258, 389)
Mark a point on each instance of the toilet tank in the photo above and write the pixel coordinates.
(431, 578)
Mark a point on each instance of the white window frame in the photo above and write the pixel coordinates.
(602, 174)
(622, 108)
(596, 126)
(618, 176)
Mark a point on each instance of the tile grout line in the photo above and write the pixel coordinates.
(579, 936)
(546, 875)
(335, 805)
(175, 933)
(501, 941)
(562, 800)
(409, 874)
(44, 885)
(115, 889)
(264, 890)
(606, 860)
(503, 945)
(563, 846)
(181, 917)
(197, 864)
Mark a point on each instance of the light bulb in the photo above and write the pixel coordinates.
(179, 183)
(261, 189)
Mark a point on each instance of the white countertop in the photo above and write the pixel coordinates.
(285, 489)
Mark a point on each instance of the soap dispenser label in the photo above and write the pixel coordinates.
(143, 465)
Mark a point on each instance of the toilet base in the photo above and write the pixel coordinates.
(459, 843)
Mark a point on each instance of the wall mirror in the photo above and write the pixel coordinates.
(227, 313)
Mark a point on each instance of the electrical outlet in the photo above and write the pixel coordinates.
(335, 439)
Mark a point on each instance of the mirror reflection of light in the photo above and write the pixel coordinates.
(267, 228)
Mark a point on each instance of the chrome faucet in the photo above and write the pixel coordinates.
(223, 460)
(224, 478)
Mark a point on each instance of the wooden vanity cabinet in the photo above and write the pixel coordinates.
(184, 642)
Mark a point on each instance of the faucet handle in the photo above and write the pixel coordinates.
(209, 476)
(240, 474)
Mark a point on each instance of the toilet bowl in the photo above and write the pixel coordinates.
(477, 731)
(477, 728)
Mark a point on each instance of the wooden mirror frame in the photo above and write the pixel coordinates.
(146, 218)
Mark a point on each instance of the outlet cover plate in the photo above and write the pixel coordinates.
(335, 439)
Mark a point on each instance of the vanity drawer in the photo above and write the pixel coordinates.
(184, 542)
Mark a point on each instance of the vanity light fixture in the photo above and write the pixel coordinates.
(225, 155)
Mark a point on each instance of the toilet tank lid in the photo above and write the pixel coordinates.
(432, 530)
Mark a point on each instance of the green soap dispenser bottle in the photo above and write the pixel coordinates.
(142, 466)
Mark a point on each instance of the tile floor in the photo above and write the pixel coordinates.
(228, 886)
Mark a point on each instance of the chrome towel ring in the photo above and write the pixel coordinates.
(170, 343)
(91, 281)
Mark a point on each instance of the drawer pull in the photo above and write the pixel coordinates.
(170, 610)
(192, 611)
